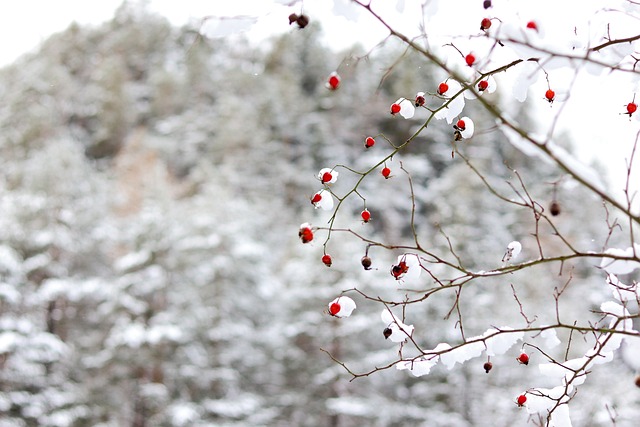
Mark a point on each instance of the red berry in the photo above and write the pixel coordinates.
(523, 358)
(334, 81)
(366, 215)
(369, 142)
(485, 24)
(631, 108)
(522, 399)
(461, 125)
(316, 198)
(326, 177)
(532, 25)
(395, 108)
(398, 270)
(326, 259)
(305, 234)
(486, 4)
(293, 18)
(386, 172)
(302, 21)
(550, 95)
(483, 85)
(443, 88)
(470, 59)
(334, 309)
(487, 366)
(366, 262)
(420, 101)
(387, 333)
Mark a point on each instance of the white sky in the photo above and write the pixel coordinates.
(25, 23)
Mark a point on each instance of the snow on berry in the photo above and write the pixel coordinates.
(333, 82)
(418, 367)
(386, 172)
(323, 200)
(483, 85)
(486, 85)
(420, 100)
(407, 268)
(550, 96)
(365, 215)
(470, 59)
(464, 128)
(327, 176)
(513, 250)
(399, 332)
(305, 232)
(523, 359)
(342, 306)
(326, 260)
(521, 400)
(404, 107)
(485, 24)
(452, 107)
(369, 142)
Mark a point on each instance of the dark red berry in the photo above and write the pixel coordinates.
(487, 366)
(293, 18)
(486, 4)
(485, 24)
(387, 333)
(419, 101)
(554, 208)
(637, 381)
(366, 262)
(302, 21)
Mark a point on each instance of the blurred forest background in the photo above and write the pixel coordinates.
(152, 184)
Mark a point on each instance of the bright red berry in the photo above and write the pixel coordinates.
(632, 107)
(305, 233)
(485, 24)
(326, 177)
(366, 215)
(521, 400)
(483, 85)
(386, 172)
(523, 358)
(461, 125)
(470, 59)
(398, 270)
(395, 108)
(334, 81)
(443, 88)
(334, 309)
(316, 198)
(369, 142)
(532, 25)
(550, 95)
(326, 259)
